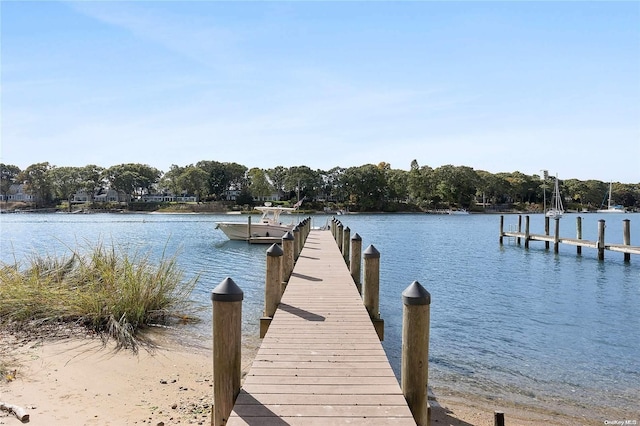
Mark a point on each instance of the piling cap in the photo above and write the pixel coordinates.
(356, 237)
(415, 294)
(347, 229)
(371, 252)
(274, 250)
(288, 236)
(296, 229)
(227, 291)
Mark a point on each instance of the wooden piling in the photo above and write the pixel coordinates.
(519, 228)
(346, 244)
(227, 346)
(546, 231)
(249, 228)
(356, 262)
(288, 243)
(498, 418)
(526, 231)
(556, 236)
(371, 288)
(579, 234)
(297, 246)
(415, 351)
(501, 228)
(340, 236)
(626, 237)
(601, 227)
(272, 287)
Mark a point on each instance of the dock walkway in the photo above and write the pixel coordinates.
(321, 361)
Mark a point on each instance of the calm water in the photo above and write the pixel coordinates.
(555, 331)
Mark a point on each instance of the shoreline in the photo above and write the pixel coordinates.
(76, 380)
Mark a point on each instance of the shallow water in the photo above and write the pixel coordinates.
(558, 331)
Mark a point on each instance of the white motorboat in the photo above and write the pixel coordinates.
(269, 224)
(611, 208)
(556, 210)
(457, 212)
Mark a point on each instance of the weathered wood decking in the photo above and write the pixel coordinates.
(321, 361)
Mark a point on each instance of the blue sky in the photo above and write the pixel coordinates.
(497, 86)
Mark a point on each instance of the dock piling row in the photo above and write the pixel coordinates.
(600, 245)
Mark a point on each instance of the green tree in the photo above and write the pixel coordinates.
(259, 186)
(366, 186)
(37, 182)
(456, 185)
(193, 180)
(132, 178)
(8, 175)
(170, 180)
(301, 182)
(277, 176)
(65, 182)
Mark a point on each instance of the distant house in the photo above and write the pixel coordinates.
(167, 198)
(111, 196)
(187, 199)
(273, 197)
(81, 197)
(17, 193)
(156, 198)
(232, 194)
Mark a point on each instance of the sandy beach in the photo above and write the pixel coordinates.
(80, 381)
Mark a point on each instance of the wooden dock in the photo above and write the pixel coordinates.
(600, 245)
(321, 361)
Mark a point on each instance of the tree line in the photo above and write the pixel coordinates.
(363, 188)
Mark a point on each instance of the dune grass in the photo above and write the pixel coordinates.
(105, 289)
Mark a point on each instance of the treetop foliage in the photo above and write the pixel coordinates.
(369, 187)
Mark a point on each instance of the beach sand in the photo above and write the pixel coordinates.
(80, 381)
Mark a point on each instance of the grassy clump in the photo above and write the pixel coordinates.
(105, 290)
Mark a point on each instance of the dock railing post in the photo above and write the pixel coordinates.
(601, 227)
(526, 231)
(340, 236)
(556, 237)
(501, 228)
(356, 262)
(288, 242)
(297, 246)
(519, 228)
(579, 234)
(272, 287)
(546, 231)
(227, 346)
(415, 351)
(346, 243)
(371, 288)
(626, 237)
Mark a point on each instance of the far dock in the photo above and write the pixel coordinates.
(599, 245)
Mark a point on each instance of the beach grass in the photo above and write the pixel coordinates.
(104, 289)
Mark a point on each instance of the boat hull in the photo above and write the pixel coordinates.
(240, 231)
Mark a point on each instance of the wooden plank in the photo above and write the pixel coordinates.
(320, 399)
(321, 372)
(317, 421)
